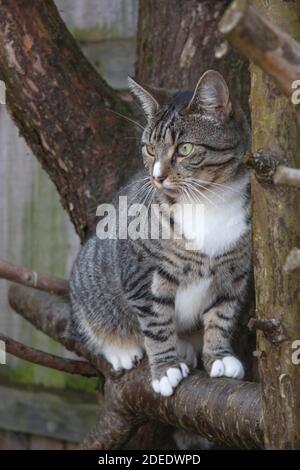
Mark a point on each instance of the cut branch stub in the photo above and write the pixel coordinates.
(264, 163)
(272, 329)
(287, 176)
(292, 264)
(268, 168)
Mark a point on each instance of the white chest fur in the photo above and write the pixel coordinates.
(220, 223)
(190, 302)
(214, 223)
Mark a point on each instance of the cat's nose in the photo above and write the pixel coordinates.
(160, 179)
(158, 174)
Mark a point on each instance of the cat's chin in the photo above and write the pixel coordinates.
(169, 191)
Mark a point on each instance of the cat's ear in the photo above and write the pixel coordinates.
(150, 98)
(211, 95)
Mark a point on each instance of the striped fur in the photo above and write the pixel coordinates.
(155, 295)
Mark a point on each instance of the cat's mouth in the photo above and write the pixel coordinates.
(165, 185)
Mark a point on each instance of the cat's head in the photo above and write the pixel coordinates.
(191, 137)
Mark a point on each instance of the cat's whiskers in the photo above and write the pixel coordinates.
(207, 189)
(199, 194)
(150, 197)
(142, 188)
(147, 201)
(127, 118)
(140, 108)
(187, 194)
(147, 189)
(221, 186)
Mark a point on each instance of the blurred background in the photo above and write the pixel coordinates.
(40, 407)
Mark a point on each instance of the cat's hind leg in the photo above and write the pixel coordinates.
(122, 353)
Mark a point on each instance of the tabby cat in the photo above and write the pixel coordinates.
(158, 296)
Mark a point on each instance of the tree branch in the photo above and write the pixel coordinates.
(287, 176)
(48, 360)
(226, 411)
(29, 278)
(274, 51)
(112, 431)
(273, 329)
(267, 168)
(62, 108)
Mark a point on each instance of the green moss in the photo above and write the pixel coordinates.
(24, 373)
(148, 58)
(85, 384)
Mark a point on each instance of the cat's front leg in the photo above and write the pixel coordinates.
(218, 357)
(158, 327)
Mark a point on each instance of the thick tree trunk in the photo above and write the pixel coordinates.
(276, 215)
(276, 209)
(62, 108)
(179, 40)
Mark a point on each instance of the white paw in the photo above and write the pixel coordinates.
(186, 351)
(174, 375)
(122, 357)
(228, 366)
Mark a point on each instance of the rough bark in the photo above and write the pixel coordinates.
(112, 431)
(178, 41)
(62, 108)
(276, 210)
(223, 410)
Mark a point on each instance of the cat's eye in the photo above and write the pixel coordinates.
(150, 149)
(185, 149)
